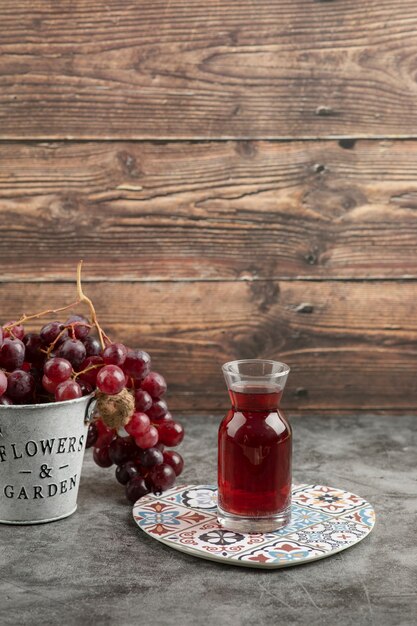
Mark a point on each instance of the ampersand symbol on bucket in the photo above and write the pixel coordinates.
(45, 471)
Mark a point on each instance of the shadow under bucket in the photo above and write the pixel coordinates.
(41, 455)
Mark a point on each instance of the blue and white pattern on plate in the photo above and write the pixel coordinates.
(324, 520)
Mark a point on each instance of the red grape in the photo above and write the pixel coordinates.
(143, 400)
(57, 369)
(115, 354)
(12, 354)
(33, 345)
(3, 382)
(110, 379)
(17, 331)
(121, 450)
(92, 346)
(162, 477)
(125, 472)
(136, 488)
(139, 424)
(154, 384)
(92, 435)
(81, 327)
(85, 387)
(170, 433)
(20, 386)
(50, 332)
(73, 350)
(101, 457)
(150, 457)
(175, 460)
(158, 409)
(90, 376)
(68, 390)
(137, 364)
(148, 439)
(49, 385)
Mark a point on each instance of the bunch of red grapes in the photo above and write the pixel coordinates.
(63, 362)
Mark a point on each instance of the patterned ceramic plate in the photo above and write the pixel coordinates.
(324, 521)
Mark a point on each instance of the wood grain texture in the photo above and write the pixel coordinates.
(350, 345)
(176, 69)
(218, 210)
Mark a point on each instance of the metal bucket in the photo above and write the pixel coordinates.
(41, 455)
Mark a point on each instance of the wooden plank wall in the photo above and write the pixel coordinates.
(239, 177)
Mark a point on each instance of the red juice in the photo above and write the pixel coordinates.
(255, 449)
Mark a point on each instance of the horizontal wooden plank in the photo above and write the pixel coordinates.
(223, 210)
(350, 345)
(176, 69)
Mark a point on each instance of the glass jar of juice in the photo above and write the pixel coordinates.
(254, 449)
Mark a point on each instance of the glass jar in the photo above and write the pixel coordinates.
(254, 449)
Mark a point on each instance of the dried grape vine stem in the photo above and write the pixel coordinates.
(81, 298)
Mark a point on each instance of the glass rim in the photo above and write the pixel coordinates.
(227, 368)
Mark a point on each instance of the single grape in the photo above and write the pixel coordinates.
(86, 388)
(50, 332)
(5, 401)
(17, 331)
(154, 384)
(162, 477)
(110, 379)
(68, 390)
(12, 354)
(175, 460)
(33, 345)
(139, 424)
(150, 457)
(90, 376)
(166, 418)
(3, 383)
(158, 409)
(48, 384)
(115, 354)
(92, 435)
(122, 450)
(125, 472)
(101, 456)
(137, 364)
(136, 488)
(143, 400)
(105, 434)
(81, 326)
(20, 386)
(170, 433)
(57, 369)
(92, 346)
(148, 439)
(73, 350)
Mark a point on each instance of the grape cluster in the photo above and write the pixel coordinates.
(63, 362)
(138, 449)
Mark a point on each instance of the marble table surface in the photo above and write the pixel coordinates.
(97, 567)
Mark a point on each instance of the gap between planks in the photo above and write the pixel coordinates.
(303, 279)
(202, 139)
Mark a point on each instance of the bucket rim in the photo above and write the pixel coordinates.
(45, 405)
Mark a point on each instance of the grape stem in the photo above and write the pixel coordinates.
(26, 318)
(94, 366)
(83, 298)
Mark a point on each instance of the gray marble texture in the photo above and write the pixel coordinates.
(97, 567)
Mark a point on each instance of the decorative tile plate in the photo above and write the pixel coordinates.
(324, 520)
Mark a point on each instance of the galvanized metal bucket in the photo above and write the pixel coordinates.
(41, 455)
